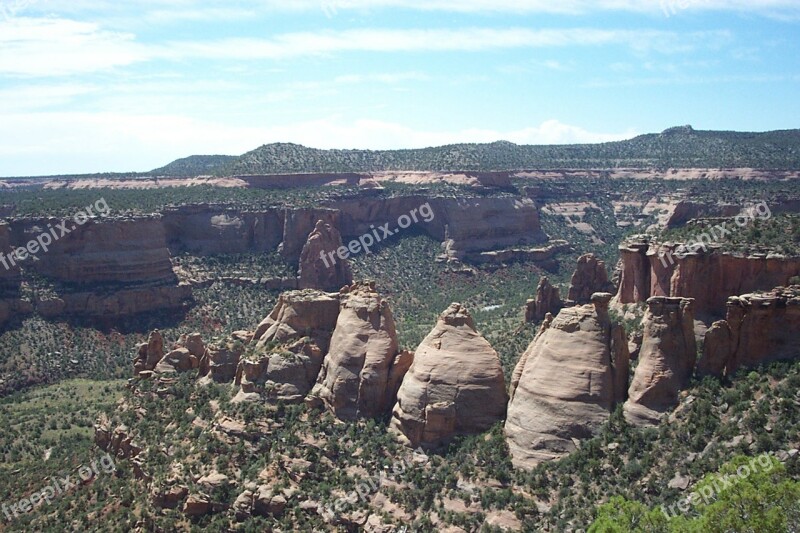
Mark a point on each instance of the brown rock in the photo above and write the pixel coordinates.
(760, 328)
(297, 314)
(710, 276)
(590, 277)
(455, 385)
(355, 374)
(223, 360)
(266, 503)
(566, 383)
(178, 360)
(317, 269)
(150, 353)
(548, 300)
(197, 505)
(666, 360)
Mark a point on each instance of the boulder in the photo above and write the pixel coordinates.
(590, 277)
(318, 268)
(267, 503)
(566, 383)
(455, 385)
(354, 379)
(197, 505)
(666, 360)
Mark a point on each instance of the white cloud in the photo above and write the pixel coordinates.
(53, 47)
(56, 47)
(53, 143)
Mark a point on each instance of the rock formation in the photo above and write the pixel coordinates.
(149, 353)
(221, 360)
(589, 278)
(650, 269)
(455, 385)
(666, 359)
(566, 383)
(318, 269)
(548, 300)
(355, 374)
(290, 346)
(10, 279)
(760, 328)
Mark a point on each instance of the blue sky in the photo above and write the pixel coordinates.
(93, 85)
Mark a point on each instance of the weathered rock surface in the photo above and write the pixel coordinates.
(566, 383)
(318, 269)
(589, 278)
(666, 360)
(455, 385)
(760, 328)
(105, 268)
(10, 279)
(548, 300)
(355, 374)
(298, 313)
(149, 353)
(710, 277)
(221, 360)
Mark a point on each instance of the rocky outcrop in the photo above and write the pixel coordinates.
(590, 277)
(299, 313)
(149, 353)
(115, 440)
(566, 383)
(666, 360)
(455, 385)
(709, 276)
(354, 379)
(318, 268)
(548, 300)
(284, 372)
(760, 328)
(221, 360)
(299, 223)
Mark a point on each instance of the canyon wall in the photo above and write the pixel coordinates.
(759, 328)
(649, 268)
(104, 268)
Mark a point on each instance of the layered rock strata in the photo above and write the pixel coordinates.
(759, 328)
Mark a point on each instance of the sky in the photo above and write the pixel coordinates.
(93, 86)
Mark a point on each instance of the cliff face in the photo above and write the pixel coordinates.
(10, 280)
(652, 269)
(455, 385)
(548, 300)
(760, 328)
(206, 230)
(666, 359)
(566, 383)
(126, 259)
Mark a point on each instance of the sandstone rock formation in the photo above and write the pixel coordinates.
(455, 386)
(355, 374)
(221, 360)
(666, 360)
(548, 300)
(149, 353)
(650, 269)
(10, 279)
(318, 270)
(590, 277)
(566, 383)
(760, 328)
